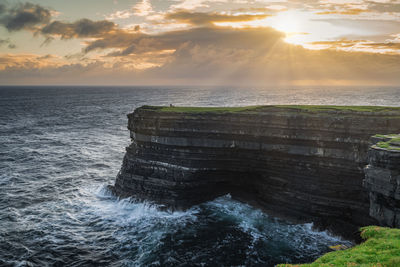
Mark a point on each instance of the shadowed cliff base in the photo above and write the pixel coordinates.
(304, 163)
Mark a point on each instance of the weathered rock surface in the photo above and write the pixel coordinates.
(301, 164)
(382, 179)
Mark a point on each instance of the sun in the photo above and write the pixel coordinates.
(292, 23)
(300, 27)
(288, 22)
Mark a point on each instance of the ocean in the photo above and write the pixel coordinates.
(61, 146)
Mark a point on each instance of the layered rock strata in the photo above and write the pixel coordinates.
(304, 163)
(382, 179)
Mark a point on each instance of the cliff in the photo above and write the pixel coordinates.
(301, 162)
(382, 179)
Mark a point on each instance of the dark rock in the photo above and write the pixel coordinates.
(302, 165)
(382, 179)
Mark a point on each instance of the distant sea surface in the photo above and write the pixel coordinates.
(60, 147)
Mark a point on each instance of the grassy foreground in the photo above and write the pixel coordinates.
(381, 248)
(310, 108)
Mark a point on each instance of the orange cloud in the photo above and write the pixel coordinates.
(351, 11)
(200, 54)
(389, 46)
(247, 56)
(201, 18)
(29, 61)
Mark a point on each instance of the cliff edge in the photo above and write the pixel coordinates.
(382, 179)
(301, 162)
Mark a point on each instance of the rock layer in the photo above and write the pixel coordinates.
(382, 179)
(305, 164)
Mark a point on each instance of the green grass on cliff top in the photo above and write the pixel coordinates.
(381, 248)
(201, 109)
(389, 142)
(262, 108)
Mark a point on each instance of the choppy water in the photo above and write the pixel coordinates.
(59, 147)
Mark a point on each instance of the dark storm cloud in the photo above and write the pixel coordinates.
(79, 29)
(23, 16)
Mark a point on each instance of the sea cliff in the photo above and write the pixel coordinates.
(382, 179)
(305, 163)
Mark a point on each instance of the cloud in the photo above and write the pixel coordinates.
(384, 7)
(143, 8)
(23, 16)
(199, 54)
(7, 42)
(193, 4)
(386, 45)
(208, 55)
(80, 29)
(358, 26)
(389, 46)
(29, 61)
(269, 9)
(2, 8)
(277, 63)
(200, 18)
(137, 43)
(121, 14)
(119, 39)
(350, 11)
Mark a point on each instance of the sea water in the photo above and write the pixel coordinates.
(61, 146)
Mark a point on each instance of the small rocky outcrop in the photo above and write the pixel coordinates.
(304, 163)
(382, 179)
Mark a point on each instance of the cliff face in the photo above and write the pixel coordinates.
(382, 179)
(305, 163)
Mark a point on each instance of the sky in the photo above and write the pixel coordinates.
(196, 42)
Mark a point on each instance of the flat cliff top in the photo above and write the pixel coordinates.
(277, 108)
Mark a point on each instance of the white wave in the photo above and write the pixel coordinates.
(263, 227)
(128, 211)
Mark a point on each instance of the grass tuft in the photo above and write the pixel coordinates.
(381, 248)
